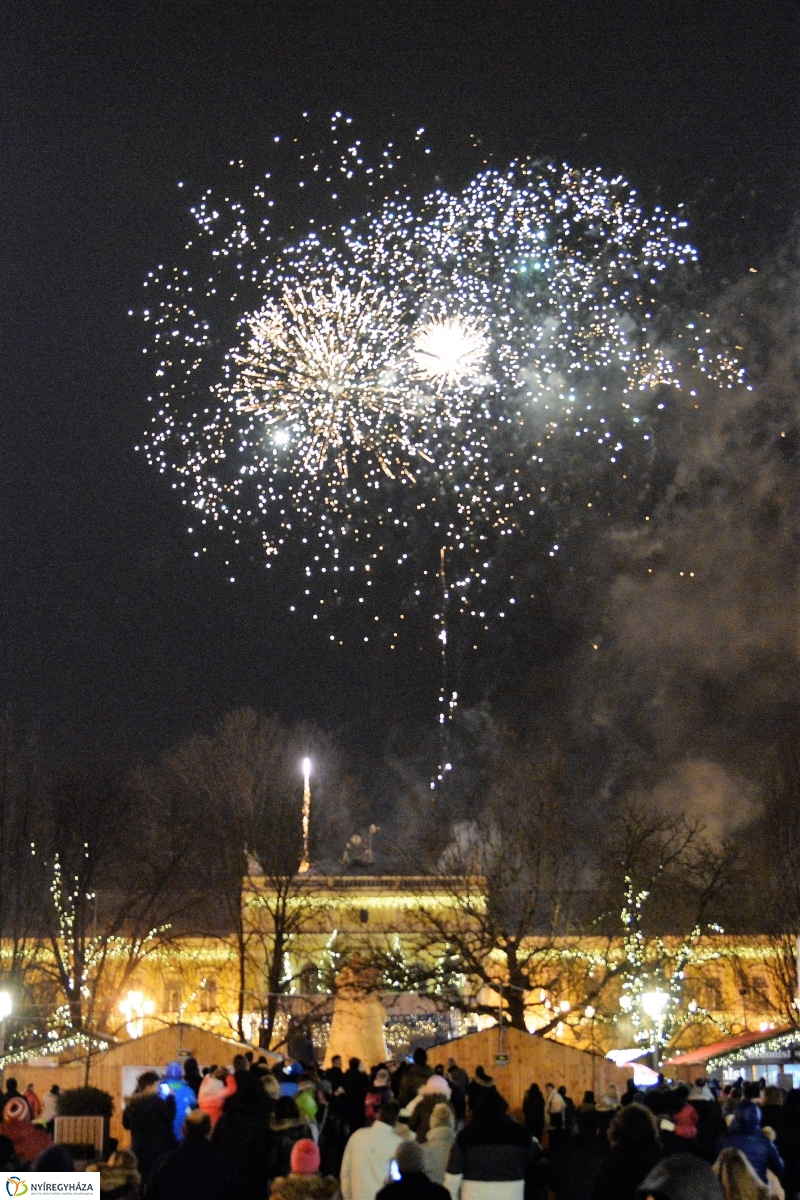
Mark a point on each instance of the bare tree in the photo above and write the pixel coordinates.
(512, 879)
(245, 784)
(662, 892)
(109, 866)
(20, 893)
(774, 846)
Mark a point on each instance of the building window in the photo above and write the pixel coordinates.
(712, 993)
(309, 980)
(172, 996)
(759, 985)
(208, 995)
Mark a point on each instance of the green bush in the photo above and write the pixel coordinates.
(84, 1102)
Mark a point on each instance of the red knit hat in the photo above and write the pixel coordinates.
(305, 1157)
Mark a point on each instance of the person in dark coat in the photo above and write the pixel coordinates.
(681, 1177)
(710, 1121)
(287, 1127)
(533, 1111)
(745, 1134)
(149, 1118)
(635, 1150)
(242, 1135)
(356, 1086)
(191, 1074)
(413, 1184)
(413, 1079)
(335, 1074)
(196, 1170)
(578, 1159)
(789, 1143)
(492, 1149)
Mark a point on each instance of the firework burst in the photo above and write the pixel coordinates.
(386, 378)
(322, 373)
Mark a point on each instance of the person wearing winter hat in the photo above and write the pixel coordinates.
(681, 1177)
(435, 1091)
(413, 1183)
(439, 1142)
(304, 1181)
(173, 1084)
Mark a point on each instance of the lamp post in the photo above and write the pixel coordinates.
(305, 864)
(654, 1004)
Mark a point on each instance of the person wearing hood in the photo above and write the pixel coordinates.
(439, 1142)
(480, 1085)
(149, 1118)
(242, 1135)
(197, 1170)
(635, 1150)
(173, 1084)
(304, 1181)
(738, 1179)
(491, 1155)
(745, 1134)
(413, 1183)
(681, 1177)
(214, 1091)
(435, 1091)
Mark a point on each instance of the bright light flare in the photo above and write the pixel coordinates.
(449, 352)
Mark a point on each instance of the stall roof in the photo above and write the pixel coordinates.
(704, 1054)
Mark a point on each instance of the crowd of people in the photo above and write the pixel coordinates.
(412, 1131)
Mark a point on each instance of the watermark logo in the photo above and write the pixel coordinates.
(50, 1183)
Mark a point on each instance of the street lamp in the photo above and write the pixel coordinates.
(305, 865)
(654, 1004)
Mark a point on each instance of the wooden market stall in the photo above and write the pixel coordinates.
(530, 1059)
(115, 1070)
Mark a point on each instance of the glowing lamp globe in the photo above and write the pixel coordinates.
(654, 1004)
(5, 1005)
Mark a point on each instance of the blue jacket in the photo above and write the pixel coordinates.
(745, 1135)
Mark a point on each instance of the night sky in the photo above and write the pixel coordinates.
(115, 640)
